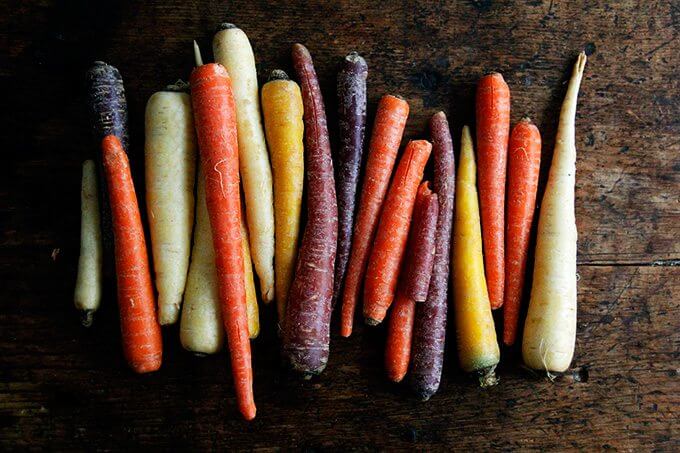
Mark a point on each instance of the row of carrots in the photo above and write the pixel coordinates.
(403, 241)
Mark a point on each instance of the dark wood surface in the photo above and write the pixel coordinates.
(66, 387)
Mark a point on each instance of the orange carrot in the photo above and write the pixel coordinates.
(215, 118)
(415, 273)
(524, 161)
(493, 127)
(390, 120)
(139, 328)
(390, 239)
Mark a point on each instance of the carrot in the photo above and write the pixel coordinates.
(140, 331)
(252, 310)
(390, 120)
(108, 116)
(232, 50)
(170, 164)
(352, 125)
(283, 124)
(308, 313)
(493, 127)
(550, 327)
(429, 330)
(420, 250)
(88, 292)
(478, 350)
(215, 118)
(390, 240)
(524, 160)
(416, 273)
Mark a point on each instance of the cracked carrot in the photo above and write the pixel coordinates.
(215, 118)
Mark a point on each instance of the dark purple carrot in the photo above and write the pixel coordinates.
(352, 125)
(308, 311)
(429, 331)
(108, 116)
(420, 252)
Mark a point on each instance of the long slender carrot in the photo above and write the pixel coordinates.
(390, 120)
(215, 117)
(493, 128)
(524, 161)
(550, 328)
(416, 273)
(390, 239)
(429, 330)
(478, 350)
(306, 331)
(140, 331)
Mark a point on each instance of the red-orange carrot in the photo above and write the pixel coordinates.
(139, 328)
(493, 127)
(524, 160)
(390, 120)
(415, 273)
(390, 239)
(214, 115)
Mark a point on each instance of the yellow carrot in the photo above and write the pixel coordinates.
(284, 127)
(550, 327)
(252, 311)
(478, 350)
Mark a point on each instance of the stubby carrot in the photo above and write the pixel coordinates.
(215, 117)
(352, 125)
(415, 273)
(390, 239)
(140, 331)
(524, 160)
(493, 128)
(390, 120)
(429, 330)
(284, 126)
(550, 327)
(308, 313)
(478, 350)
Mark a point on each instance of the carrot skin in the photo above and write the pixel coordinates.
(390, 120)
(429, 331)
(308, 311)
(420, 250)
(493, 128)
(524, 160)
(352, 124)
(390, 240)
(214, 114)
(140, 331)
(416, 270)
(109, 116)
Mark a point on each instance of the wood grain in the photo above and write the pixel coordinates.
(65, 387)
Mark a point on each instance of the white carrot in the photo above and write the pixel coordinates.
(550, 327)
(170, 163)
(201, 329)
(232, 50)
(88, 291)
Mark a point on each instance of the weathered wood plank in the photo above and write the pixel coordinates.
(65, 387)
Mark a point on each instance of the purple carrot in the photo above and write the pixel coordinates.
(352, 125)
(108, 115)
(429, 332)
(308, 311)
(417, 271)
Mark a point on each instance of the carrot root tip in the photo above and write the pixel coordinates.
(86, 318)
(371, 322)
(487, 377)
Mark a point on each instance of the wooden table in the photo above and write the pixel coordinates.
(66, 387)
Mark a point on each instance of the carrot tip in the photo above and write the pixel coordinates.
(226, 26)
(371, 322)
(86, 318)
